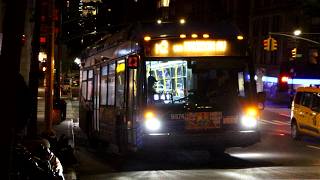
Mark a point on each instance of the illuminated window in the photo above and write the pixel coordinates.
(104, 85)
(111, 84)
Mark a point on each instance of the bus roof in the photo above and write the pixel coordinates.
(222, 29)
(126, 40)
(136, 32)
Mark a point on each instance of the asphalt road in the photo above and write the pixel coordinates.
(277, 156)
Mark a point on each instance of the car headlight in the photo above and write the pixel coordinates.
(249, 118)
(151, 122)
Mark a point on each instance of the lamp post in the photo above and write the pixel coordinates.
(297, 32)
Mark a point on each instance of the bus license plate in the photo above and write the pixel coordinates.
(203, 120)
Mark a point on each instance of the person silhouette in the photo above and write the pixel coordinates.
(151, 82)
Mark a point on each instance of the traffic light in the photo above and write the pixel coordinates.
(294, 53)
(274, 44)
(266, 44)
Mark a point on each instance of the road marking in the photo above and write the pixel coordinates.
(287, 115)
(314, 147)
(281, 122)
(275, 122)
(268, 122)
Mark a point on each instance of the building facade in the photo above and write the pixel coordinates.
(279, 19)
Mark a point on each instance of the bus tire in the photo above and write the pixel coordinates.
(295, 134)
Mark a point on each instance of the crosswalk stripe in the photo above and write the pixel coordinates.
(314, 147)
(281, 122)
(275, 122)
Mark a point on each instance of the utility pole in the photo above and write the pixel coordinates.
(50, 74)
(32, 129)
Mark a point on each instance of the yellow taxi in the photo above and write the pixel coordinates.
(305, 112)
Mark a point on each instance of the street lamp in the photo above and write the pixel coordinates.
(77, 61)
(297, 32)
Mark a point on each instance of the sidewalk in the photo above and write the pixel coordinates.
(64, 127)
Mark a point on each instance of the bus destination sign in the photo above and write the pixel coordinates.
(165, 48)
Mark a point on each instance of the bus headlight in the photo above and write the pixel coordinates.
(249, 118)
(151, 122)
(248, 121)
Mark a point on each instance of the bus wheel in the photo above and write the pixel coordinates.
(295, 134)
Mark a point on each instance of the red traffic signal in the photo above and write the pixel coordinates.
(266, 44)
(283, 82)
(133, 61)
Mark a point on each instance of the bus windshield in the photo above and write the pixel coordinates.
(193, 82)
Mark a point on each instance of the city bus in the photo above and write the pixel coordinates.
(170, 86)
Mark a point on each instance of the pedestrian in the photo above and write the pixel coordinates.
(151, 82)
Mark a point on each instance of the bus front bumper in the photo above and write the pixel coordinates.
(201, 141)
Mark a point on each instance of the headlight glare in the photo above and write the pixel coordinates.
(248, 121)
(152, 124)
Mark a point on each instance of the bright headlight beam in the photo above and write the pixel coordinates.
(248, 121)
(152, 124)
